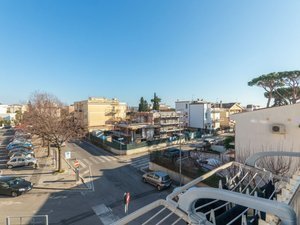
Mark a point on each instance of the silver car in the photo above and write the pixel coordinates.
(22, 155)
(21, 161)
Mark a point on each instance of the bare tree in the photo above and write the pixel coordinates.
(49, 120)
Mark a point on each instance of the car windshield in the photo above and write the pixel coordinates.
(165, 178)
(15, 181)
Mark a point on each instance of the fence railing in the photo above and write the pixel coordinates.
(27, 220)
(120, 146)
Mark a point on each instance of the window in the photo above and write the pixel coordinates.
(186, 106)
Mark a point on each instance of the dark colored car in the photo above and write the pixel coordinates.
(173, 153)
(14, 186)
(159, 179)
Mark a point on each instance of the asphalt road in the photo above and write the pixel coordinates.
(108, 176)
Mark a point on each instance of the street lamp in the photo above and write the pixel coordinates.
(180, 148)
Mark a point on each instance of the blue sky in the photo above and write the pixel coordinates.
(132, 48)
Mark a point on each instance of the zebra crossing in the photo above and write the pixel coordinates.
(92, 160)
(140, 163)
(85, 164)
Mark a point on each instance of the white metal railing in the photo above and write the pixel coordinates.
(27, 220)
(244, 183)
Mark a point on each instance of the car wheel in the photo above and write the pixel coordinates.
(14, 194)
(144, 179)
(30, 164)
(9, 166)
(158, 187)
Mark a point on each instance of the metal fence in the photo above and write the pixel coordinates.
(27, 220)
(117, 145)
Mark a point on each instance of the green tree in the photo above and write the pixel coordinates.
(283, 87)
(227, 142)
(143, 105)
(156, 100)
(291, 80)
(269, 83)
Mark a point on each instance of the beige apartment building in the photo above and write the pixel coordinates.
(226, 110)
(100, 113)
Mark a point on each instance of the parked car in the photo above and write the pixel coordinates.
(20, 150)
(212, 162)
(14, 186)
(22, 154)
(19, 144)
(21, 161)
(159, 179)
(209, 140)
(173, 153)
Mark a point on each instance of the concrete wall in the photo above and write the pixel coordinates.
(184, 107)
(174, 175)
(142, 149)
(200, 116)
(253, 130)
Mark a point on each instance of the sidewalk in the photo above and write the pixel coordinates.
(45, 176)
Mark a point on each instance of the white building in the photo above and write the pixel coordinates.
(198, 114)
(269, 129)
(184, 108)
(3, 109)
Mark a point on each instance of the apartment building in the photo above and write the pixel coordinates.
(226, 110)
(100, 113)
(199, 114)
(166, 123)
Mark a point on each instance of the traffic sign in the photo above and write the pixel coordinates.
(76, 164)
(68, 155)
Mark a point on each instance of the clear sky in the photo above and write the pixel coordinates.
(126, 49)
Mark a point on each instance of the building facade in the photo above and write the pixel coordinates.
(226, 110)
(100, 113)
(269, 129)
(199, 114)
(166, 123)
(184, 108)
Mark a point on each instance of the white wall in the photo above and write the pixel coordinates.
(3, 109)
(200, 115)
(253, 130)
(184, 107)
(197, 115)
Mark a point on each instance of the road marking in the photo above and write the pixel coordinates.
(10, 203)
(100, 159)
(106, 158)
(141, 165)
(94, 160)
(139, 162)
(3, 160)
(105, 214)
(58, 197)
(111, 157)
(86, 161)
(81, 164)
(85, 172)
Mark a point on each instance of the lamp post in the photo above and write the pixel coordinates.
(180, 148)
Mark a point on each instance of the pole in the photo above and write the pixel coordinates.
(180, 147)
(77, 173)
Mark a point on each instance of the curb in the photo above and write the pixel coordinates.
(81, 178)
